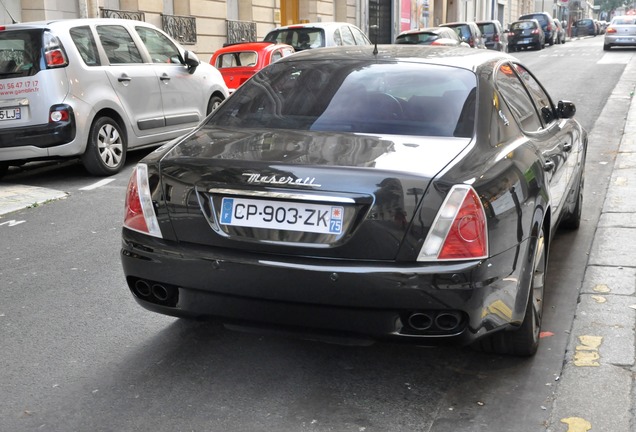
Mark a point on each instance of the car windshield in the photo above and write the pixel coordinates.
(300, 38)
(523, 25)
(20, 53)
(624, 20)
(236, 59)
(355, 97)
(417, 38)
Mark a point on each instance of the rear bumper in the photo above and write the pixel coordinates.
(425, 304)
(619, 41)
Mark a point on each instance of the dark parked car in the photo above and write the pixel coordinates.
(495, 38)
(547, 24)
(468, 32)
(409, 193)
(584, 27)
(430, 36)
(525, 34)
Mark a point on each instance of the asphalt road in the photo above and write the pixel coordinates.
(78, 354)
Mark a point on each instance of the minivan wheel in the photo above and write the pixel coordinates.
(106, 149)
(4, 167)
(214, 103)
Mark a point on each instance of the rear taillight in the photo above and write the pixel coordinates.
(53, 52)
(495, 38)
(535, 31)
(60, 113)
(459, 231)
(610, 30)
(140, 213)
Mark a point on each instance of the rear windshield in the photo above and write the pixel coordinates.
(299, 38)
(20, 52)
(356, 97)
(584, 23)
(539, 17)
(417, 38)
(523, 25)
(236, 59)
(624, 20)
(487, 28)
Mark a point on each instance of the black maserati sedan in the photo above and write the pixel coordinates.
(389, 193)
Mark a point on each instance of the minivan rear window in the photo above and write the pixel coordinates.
(20, 53)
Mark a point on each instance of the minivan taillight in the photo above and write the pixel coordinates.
(55, 58)
(54, 54)
(459, 231)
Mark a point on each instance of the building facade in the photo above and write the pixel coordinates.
(205, 25)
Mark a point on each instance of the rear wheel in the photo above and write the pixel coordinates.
(4, 167)
(606, 47)
(524, 341)
(214, 103)
(106, 149)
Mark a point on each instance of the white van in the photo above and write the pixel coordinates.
(95, 88)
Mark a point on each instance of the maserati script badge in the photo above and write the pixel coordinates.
(281, 180)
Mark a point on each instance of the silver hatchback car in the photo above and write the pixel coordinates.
(620, 32)
(95, 88)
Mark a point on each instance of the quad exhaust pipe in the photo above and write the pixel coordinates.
(436, 321)
(155, 292)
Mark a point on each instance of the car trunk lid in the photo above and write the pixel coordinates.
(295, 192)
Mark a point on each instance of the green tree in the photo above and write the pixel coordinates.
(610, 6)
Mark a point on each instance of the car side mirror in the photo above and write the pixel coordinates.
(566, 109)
(191, 61)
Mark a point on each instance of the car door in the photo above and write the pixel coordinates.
(184, 95)
(133, 80)
(535, 114)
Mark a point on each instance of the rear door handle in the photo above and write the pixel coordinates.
(124, 78)
(164, 77)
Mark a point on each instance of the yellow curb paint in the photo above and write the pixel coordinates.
(587, 353)
(599, 299)
(577, 424)
(602, 288)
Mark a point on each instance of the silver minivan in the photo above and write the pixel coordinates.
(95, 88)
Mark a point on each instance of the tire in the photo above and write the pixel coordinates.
(539, 46)
(213, 104)
(606, 47)
(573, 220)
(524, 340)
(106, 149)
(4, 167)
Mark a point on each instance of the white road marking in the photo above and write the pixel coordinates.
(98, 184)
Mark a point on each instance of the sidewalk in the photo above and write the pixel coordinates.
(596, 389)
(15, 197)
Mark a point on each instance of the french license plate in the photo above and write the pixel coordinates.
(10, 114)
(625, 40)
(526, 41)
(283, 215)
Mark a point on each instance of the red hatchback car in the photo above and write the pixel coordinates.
(238, 62)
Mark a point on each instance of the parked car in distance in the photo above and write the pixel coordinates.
(560, 32)
(525, 34)
(430, 36)
(96, 88)
(405, 193)
(238, 62)
(495, 38)
(584, 27)
(318, 35)
(547, 25)
(620, 32)
(468, 32)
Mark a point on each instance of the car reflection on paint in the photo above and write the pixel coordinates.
(405, 194)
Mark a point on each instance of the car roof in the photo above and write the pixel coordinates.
(467, 58)
(68, 23)
(252, 46)
(422, 30)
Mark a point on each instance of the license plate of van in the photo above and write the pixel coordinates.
(10, 114)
